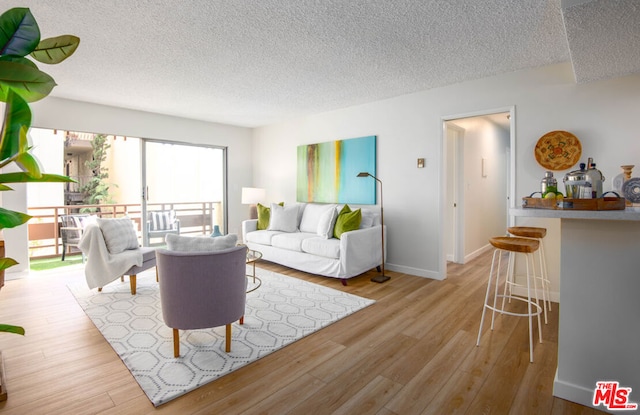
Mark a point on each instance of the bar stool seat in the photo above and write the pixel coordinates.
(539, 234)
(528, 232)
(513, 245)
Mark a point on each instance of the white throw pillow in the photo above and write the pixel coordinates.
(119, 234)
(327, 223)
(311, 216)
(283, 218)
(200, 244)
(368, 218)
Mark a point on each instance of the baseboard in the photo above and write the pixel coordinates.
(574, 393)
(414, 271)
(477, 253)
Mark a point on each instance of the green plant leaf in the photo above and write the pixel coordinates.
(22, 177)
(11, 219)
(19, 60)
(4, 188)
(7, 328)
(7, 263)
(17, 115)
(23, 144)
(19, 32)
(27, 81)
(56, 49)
(29, 164)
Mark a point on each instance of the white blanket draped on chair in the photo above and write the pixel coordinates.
(102, 267)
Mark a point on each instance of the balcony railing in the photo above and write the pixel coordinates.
(196, 218)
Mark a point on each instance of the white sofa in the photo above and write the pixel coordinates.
(309, 247)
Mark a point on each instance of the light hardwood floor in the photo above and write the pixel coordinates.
(413, 352)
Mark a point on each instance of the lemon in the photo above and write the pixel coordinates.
(559, 196)
(550, 195)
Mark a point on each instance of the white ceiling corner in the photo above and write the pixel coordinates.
(603, 38)
(257, 62)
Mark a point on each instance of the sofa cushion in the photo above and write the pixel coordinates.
(311, 216)
(283, 218)
(347, 220)
(200, 243)
(328, 248)
(119, 234)
(261, 237)
(291, 241)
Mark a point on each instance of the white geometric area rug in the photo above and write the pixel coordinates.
(281, 311)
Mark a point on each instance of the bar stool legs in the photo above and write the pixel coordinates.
(546, 296)
(512, 245)
(537, 234)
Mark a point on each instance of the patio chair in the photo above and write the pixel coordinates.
(71, 230)
(161, 223)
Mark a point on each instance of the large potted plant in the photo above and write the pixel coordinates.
(21, 82)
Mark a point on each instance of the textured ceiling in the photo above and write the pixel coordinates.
(253, 63)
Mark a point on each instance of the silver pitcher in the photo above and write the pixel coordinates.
(577, 184)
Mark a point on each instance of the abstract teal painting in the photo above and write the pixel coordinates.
(327, 172)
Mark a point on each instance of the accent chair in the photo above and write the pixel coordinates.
(202, 290)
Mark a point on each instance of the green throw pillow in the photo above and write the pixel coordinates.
(347, 221)
(264, 213)
(264, 216)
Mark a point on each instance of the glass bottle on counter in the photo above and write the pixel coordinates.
(548, 183)
(596, 178)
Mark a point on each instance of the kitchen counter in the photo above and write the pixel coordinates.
(630, 213)
(599, 321)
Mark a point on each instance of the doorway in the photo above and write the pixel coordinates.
(477, 181)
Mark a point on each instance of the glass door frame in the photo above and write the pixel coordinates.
(144, 191)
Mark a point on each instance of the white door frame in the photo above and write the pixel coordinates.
(443, 172)
(456, 182)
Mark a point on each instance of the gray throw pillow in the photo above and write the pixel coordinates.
(119, 234)
(199, 244)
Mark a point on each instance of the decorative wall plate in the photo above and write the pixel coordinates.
(631, 190)
(558, 150)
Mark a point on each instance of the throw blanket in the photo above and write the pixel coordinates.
(102, 267)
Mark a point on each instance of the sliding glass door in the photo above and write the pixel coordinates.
(184, 188)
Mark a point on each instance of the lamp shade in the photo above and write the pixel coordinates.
(252, 195)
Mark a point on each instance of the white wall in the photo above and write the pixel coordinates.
(601, 114)
(50, 154)
(84, 117)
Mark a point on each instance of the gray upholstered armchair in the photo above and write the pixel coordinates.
(202, 290)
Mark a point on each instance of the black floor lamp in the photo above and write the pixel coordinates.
(382, 277)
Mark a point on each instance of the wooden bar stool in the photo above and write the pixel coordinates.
(538, 234)
(513, 245)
